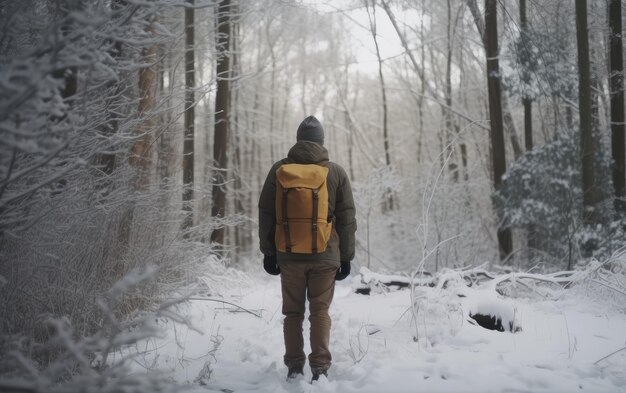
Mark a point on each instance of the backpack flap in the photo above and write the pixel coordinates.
(299, 175)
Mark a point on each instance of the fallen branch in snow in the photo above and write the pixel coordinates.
(370, 279)
(471, 276)
(562, 278)
(206, 372)
(609, 355)
(609, 286)
(225, 302)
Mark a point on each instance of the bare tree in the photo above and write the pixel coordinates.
(372, 20)
(509, 125)
(505, 241)
(526, 101)
(419, 69)
(140, 154)
(147, 101)
(107, 160)
(189, 118)
(449, 122)
(241, 233)
(222, 112)
(587, 144)
(616, 86)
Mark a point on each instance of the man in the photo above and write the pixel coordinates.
(307, 271)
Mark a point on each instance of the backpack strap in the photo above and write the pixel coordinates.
(314, 221)
(285, 221)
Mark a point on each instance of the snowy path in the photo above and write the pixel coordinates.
(555, 351)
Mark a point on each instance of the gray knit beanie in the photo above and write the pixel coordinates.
(311, 130)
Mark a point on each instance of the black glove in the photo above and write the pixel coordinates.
(270, 265)
(343, 271)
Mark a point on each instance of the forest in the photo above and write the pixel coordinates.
(484, 142)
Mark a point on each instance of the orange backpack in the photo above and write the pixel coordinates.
(302, 222)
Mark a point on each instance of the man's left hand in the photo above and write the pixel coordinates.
(270, 265)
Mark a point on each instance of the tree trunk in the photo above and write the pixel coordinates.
(107, 161)
(241, 241)
(528, 117)
(419, 70)
(67, 75)
(140, 157)
(222, 109)
(504, 102)
(189, 118)
(372, 20)
(272, 91)
(447, 115)
(526, 101)
(505, 241)
(616, 87)
(587, 148)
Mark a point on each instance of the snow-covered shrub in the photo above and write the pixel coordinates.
(89, 363)
(604, 281)
(436, 222)
(71, 220)
(542, 194)
(371, 197)
(540, 63)
(437, 313)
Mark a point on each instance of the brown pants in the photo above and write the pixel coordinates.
(315, 282)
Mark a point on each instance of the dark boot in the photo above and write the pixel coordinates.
(294, 372)
(317, 373)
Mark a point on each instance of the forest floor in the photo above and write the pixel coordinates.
(373, 348)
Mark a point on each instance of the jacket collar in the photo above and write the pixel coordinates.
(307, 152)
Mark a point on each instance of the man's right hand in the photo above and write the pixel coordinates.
(270, 265)
(343, 271)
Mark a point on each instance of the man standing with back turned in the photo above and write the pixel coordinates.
(306, 230)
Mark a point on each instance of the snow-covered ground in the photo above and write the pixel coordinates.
(373, 347)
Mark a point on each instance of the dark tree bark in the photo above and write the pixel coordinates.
(616, 86)
(504, 102)
(147, 102)
(505, 241)
(587, 146)
(222, 110)
(189, 118)
(526, 101)
(107, 161)
(242, 238)
(528, 107)
(67, 74)
(447, 115)
(140, 157)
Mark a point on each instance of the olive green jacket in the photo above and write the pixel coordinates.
(340, 206)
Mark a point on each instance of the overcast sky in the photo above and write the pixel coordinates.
(358, 23)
